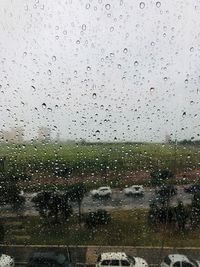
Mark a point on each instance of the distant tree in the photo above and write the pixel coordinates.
(99, 217)
(159, 177)
(181, 215)
(53, 206)
(65, 207)
(9, 191)
(195, 212)
(76, 193)
(2, 232)
(41, 202)
(94, 219)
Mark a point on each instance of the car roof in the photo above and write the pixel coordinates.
(113, 256)
(178, 257)
(104, 187)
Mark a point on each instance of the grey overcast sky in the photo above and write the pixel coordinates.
(101, 70)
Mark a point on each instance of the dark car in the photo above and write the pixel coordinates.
(48, 259)
(192, 189)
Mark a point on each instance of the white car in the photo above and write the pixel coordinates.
(134, 190)
(6, 261)
(104, 191)
(179, 260)
(113, 259)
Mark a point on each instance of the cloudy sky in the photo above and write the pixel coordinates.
(101, 70)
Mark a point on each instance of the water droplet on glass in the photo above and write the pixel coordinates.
(54, 58)
(142, 5)
(191, 102)
(111, 29)
(158, 4)
(83, 27)
(33, 88)
(49, 72)
(107, 6)
(87, 6)
(25, 54)
(119, 66)
(152, 89)
(186, 81)
(125, 50)
(65, 32)
(184, 114)
(44, 105)
(94, 95)
(136, 63)
(191, 49)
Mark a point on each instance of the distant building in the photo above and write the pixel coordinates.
(43, 134)
(14, 135)
(168, 139)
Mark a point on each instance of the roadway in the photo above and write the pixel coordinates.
(117, 201)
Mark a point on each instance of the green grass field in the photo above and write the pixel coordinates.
(122, 164)
(126, 228)
(95, 157)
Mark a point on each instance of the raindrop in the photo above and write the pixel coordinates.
(44, 105)
(88, 68)
(111, 29)
(136, 63)
(186, 81)
(125, 50)
(78, 42)
(83, 27)
(191, 102)
(54, 58)
(191, 49)
(107, 6)
(119, 66)
(94, 95)
(25, 54)
(49, 72)
(184, 114)
(33, 88)
(142, 5)
(87, 6)
(152, 89)
(49, 109)
(158, 4)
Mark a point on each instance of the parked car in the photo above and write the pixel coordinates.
(179, 260)
(192, 189)
(48, 259)
(6, 261)
(104, 191)
(119, 259)
(134, 190)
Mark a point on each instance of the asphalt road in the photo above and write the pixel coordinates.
(117, 201)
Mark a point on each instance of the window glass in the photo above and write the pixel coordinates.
(177, 264)
(125, 263)
(114, 263)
